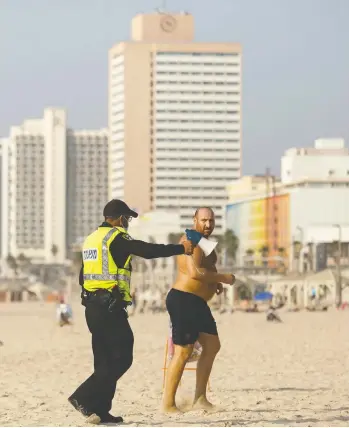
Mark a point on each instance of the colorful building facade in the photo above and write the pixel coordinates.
(262, 226)
(307, 214)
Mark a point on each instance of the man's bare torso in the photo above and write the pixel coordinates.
(199, 287)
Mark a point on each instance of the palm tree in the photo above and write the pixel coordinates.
(228, 244)
(54, 250)
(282, 255)
(231, 243)
(220, 249)
(250, 259)
(265, 254)
(282, 252)
(21, 258)
(23, 262)
(296, 249)
(12, 263)
(77, 262)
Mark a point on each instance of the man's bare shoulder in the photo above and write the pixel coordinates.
(183, 238)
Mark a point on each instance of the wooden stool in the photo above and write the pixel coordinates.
(185, 368)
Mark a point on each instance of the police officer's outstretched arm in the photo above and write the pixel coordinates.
(147, 250)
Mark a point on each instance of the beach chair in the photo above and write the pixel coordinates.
(169, 349)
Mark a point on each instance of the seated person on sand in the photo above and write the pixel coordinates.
(253, 309)
(272, 315)
(64, 313)
(191, 318)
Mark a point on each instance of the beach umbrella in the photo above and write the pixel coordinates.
(264, 295)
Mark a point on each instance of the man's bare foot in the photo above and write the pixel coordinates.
(170, 409)
(203, 404)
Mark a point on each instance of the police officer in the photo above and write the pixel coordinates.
(105, 279)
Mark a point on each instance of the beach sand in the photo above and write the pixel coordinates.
(293, 374)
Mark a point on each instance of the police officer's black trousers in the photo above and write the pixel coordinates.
(112, 344)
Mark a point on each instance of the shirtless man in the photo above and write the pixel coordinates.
(191, 318)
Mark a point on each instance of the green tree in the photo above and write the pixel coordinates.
(12, 263)
(297, 245)
(249, 254)
(23, 262)
(21, 258)
(54, 250)
(265, 254)
(229, 244)
(282, 255)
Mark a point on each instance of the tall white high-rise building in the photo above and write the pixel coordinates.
(34, 187)
(87, 176)
(54, 184)
(174, 118)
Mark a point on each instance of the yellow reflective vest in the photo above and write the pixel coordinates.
(100, 270)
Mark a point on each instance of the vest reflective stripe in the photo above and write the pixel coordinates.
(106, 277)
(127, 261)
(105, 258)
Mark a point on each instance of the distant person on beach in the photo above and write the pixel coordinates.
(272, 315)
(191, 318)
(253, 309)
(64, 312)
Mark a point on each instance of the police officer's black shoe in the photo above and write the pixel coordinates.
(92, 417)
(108, 418)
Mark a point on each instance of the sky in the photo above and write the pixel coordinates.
(295, 64)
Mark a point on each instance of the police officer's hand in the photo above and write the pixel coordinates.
(188, 247)
(193, 236)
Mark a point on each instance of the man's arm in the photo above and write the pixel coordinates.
(196, 271)
(143, 249)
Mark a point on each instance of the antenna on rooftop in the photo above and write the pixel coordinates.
(162, 8)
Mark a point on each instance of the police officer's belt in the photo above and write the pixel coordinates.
(112, 300)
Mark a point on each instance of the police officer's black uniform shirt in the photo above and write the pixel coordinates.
(122, 247)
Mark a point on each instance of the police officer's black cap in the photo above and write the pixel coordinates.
(116, 208)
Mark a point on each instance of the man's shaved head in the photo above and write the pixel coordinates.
(204, 221)
(197, 212)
